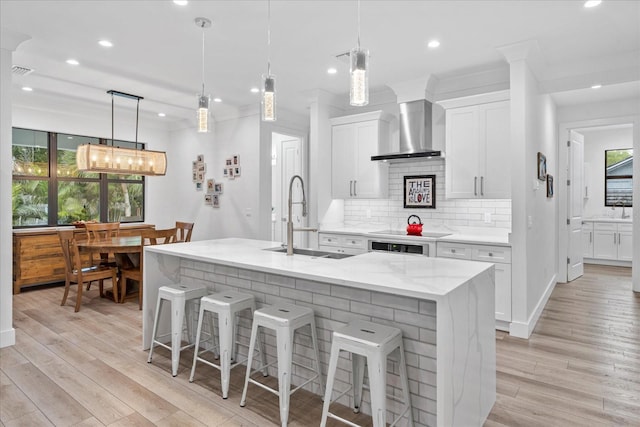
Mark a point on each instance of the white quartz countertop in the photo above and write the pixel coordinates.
(605, 219)
(477, 235)
(406, 275)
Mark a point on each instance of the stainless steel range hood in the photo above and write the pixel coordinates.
(415, 132)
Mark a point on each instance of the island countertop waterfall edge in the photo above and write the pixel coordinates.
(461, 293)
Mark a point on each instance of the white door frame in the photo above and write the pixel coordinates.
(561, 188)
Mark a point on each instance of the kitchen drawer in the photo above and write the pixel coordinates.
(354, 242)
(329, 239)
(605, 226)
(625, 228)
(492, 254)
(453, 250)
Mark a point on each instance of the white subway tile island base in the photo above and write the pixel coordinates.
(444, 307)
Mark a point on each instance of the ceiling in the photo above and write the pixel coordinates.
(157, 48)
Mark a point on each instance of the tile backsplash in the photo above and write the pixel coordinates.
(454, 212)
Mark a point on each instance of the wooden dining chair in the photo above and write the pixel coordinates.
(184, 231)
(149, 237)
(76, 273)
(102, 230)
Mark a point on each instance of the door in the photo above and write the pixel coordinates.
(286, 162)
(575, 266)
(495, 181)
(625, 242)
(366, 179)
(343, 139)
(605, 241)
(463, 152)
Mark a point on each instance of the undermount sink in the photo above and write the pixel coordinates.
(312, 253)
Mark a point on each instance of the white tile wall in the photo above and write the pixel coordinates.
(455, 212)
(334, 306)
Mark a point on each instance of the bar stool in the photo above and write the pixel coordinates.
(225, 305)
(178, 296)
(284, 319)
(373, 343)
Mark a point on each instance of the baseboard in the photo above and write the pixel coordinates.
(611, 262)
(7, 338)
(524, 330)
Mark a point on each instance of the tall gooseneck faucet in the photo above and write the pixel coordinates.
(290, 228)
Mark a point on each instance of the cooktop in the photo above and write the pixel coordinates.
(404, 233)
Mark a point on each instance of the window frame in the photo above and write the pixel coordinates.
(616, 177)
(53, 181)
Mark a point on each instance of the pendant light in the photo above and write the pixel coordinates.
(359, 70)
(268, 103)
(118, 160)
(203, 99)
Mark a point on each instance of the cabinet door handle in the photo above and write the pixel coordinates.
(591, 237)
(475, 185)
(482, 185)
(350, 188)
(614, 238)
(618, 239)
(355, 191)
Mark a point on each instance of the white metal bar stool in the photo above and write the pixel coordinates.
(178, 296)
(285, 319)
(373, 343)
(225, 305)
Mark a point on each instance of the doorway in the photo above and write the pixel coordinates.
(286, 161)
(583, 182)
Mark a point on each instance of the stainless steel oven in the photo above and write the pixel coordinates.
(418, 248)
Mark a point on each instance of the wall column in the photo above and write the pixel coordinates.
(8, 43)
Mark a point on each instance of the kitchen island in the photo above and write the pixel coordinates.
(444, 307)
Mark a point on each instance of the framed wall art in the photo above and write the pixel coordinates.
(549, 185)
(542, 166)
(420, 191)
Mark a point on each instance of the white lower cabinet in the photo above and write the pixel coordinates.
(498, 255)
(612, 242)
(587, 239)
(342, 243)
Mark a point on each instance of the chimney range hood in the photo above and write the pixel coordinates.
(415, 132)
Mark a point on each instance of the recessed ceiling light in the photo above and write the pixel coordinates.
(433, 44)
(332, 70)
(105, 43)
(27, 89)
(592, 3)
(598, 86)
(217, 100)
(72, 62)
(181, 2)
(161, 114)
(255, 90)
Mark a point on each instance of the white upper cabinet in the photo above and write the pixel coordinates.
(477, 147)
(354, 139)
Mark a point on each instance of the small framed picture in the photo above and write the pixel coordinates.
(216, 200)
(200, 178)
(195, 176)
(210, 183)
(420, 191)
(194, 166)
(236, 160)
(236, 171)
(231, 173)
(225, 173)
(217, 188)
(228, 162)
(208, 199)
(200, 158)
(542, 166)
(199, 186)
(202, 167)
(549, 185)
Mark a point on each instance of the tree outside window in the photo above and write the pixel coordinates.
(618, 189)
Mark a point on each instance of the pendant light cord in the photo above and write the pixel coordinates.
(358, 24)
(203, 24)
(268, 37)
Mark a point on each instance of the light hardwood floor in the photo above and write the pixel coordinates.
(580, 367)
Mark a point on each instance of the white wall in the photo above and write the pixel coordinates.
(595, 144)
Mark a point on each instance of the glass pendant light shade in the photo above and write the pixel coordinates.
(203, 113)
(359, 70)
(268, 103)
(117, 160)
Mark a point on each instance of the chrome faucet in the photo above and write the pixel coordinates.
(620, 203)
(290, 228)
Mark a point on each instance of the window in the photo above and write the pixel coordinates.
(618, 179)
(49, 190)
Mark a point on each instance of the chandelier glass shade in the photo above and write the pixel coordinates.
(359, 72)
(117, 160)
(202, 113)
(268, 103)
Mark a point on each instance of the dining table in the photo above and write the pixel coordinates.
(127, 249)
